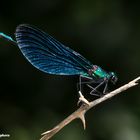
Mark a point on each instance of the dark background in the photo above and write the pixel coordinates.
(106, 33)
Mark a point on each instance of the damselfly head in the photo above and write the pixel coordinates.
(113, 77)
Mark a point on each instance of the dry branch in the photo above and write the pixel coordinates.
(80, 112)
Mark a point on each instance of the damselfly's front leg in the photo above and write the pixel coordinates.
(105, 88)
(95, 89)
(96, 92)
(90, 81)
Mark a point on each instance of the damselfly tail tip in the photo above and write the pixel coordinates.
(1, 34)
(8, 38)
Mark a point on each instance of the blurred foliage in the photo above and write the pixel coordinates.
(106, 33)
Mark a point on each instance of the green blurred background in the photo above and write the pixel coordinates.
(106, 33)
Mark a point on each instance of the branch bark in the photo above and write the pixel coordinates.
(80, 112)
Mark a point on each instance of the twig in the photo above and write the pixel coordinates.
(80, 112)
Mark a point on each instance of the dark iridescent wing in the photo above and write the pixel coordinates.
(47, 54)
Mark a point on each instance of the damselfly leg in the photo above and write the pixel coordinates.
(94, 85)
(105, 88)
(95, 91)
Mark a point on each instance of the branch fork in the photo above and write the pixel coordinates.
(86, 105)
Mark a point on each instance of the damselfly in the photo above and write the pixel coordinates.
(50, 56)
